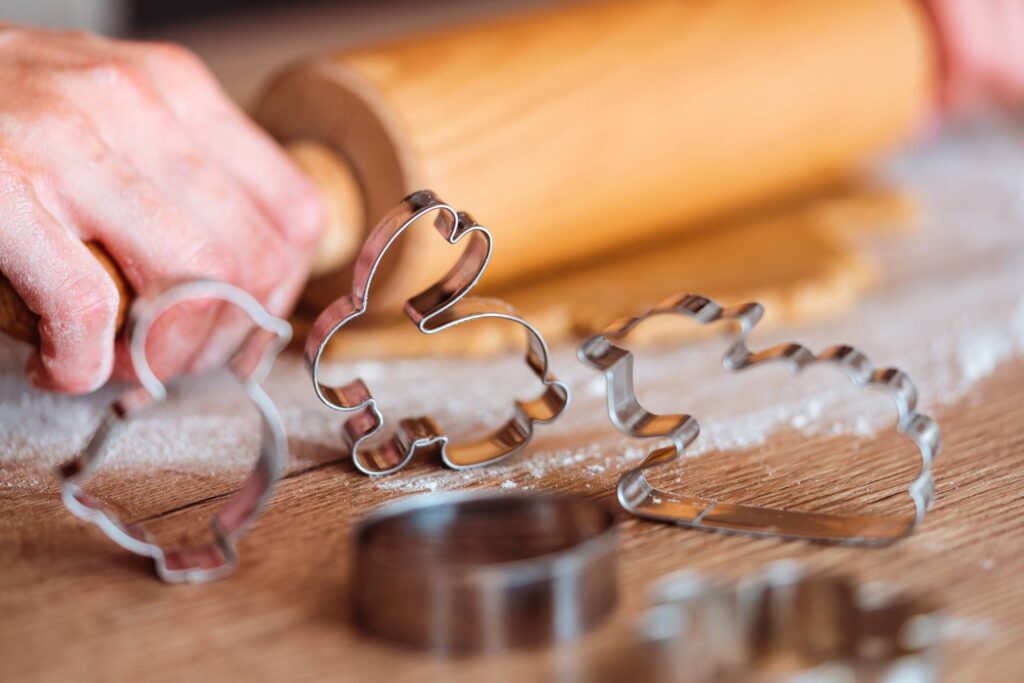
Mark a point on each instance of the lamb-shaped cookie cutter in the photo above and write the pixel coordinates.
(638, 496)
(439, 307)
(250, 365)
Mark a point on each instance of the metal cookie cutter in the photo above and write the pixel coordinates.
(484, 571)
(250, 364)
(437, 308)
(639, 497)
(784, 625)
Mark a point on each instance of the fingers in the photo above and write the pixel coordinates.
(59, 279)
(226, 219)
(242, 186)
(137, 149)
(263, 169)
(233, 325)
(183, 171)
(152, 238)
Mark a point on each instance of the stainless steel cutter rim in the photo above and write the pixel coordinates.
(233, 518)
(487, 599)
(550, 563)
(442, 306)
(638, 496)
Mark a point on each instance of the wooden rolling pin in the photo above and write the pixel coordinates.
(583, 130)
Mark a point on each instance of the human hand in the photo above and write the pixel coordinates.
(134, 146)
(983, 51)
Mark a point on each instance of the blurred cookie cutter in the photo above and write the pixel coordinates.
(439, 307)
(784, 624)
(638, 496)
(250, 364)
(484, 571)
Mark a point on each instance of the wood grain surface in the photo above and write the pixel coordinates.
(75, 607)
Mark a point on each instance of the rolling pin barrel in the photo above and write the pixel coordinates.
(578, 131)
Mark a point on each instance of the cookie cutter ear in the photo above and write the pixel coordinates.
(250, 364)
(640, 497)
(439, 307)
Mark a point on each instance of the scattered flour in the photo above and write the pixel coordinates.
(948, 335)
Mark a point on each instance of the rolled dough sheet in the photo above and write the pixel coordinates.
(802, 261)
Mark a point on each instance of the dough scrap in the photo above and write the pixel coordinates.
(802, 261)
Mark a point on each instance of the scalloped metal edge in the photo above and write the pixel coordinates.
(639, 497)
(725, 628)
(251, 365)
(441, 306)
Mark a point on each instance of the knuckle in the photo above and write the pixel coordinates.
(40, 116)
(61, 125)
(102, 70)
(173, 56)
(77, 35)
(111, 69)
(71, 122)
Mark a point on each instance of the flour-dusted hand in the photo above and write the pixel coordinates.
(134, 146)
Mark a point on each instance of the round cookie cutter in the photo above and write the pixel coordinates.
(484, 571)
(250, 364)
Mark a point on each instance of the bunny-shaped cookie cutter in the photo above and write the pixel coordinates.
(250, 365)
(439, 307)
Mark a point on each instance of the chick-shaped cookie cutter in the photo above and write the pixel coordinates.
(638, 496)
(250, 364)
(439, 307)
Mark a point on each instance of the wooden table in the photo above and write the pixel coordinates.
(75, 607)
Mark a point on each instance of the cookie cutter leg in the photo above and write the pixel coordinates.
(640, 497)
(250, 365)
(439, 307)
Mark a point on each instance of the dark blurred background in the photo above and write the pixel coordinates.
(245, 40)
(127, 16)
(144, 14)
